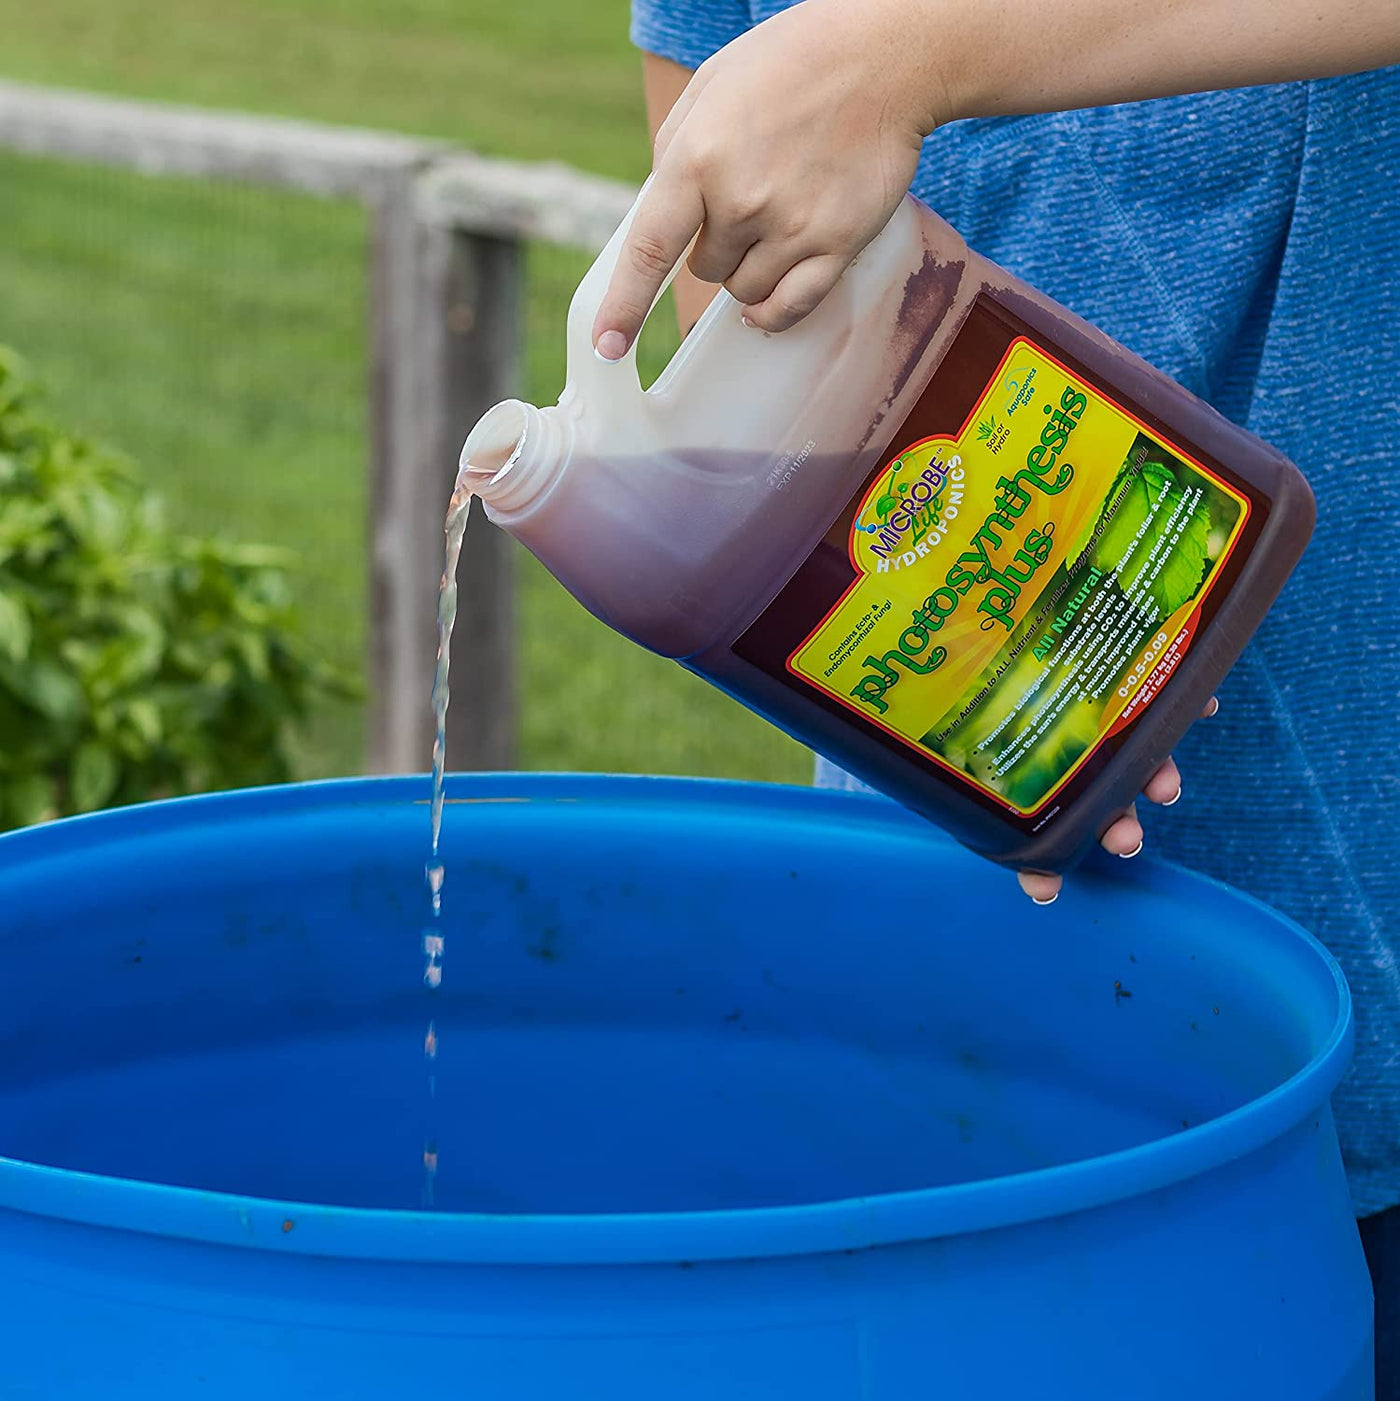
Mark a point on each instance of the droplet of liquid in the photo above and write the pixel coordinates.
(430, 1167)
(430, 1042)
(435, 874)
(432, 952)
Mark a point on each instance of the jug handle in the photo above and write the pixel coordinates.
(612, 385)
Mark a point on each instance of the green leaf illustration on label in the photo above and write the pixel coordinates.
(1157, 533)
(1021, 724)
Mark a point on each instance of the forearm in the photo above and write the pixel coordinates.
(786, 152)
(1001, 57)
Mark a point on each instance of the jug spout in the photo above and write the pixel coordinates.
(515, 454)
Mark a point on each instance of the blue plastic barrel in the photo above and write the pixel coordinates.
(741, 1092)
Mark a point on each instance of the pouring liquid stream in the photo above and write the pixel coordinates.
(455, 529)
(434, 942)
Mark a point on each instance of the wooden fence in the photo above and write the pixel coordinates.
(445, 298)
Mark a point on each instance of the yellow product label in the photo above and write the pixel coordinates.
(1023, 588)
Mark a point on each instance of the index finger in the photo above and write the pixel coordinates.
(667, 220)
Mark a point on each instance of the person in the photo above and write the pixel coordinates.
(1218, 188)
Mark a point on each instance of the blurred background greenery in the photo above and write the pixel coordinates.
(218, 336)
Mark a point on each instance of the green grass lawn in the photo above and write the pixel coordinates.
(218, 334)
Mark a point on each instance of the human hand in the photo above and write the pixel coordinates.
(790, 148)
(1124, 837)
(787, 153)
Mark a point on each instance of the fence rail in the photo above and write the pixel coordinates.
(446, 324)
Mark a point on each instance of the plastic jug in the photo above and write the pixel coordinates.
(943, 531)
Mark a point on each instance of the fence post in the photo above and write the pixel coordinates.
(481, 302)
(446, 310)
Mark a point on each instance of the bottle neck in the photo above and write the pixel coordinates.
(515, 454)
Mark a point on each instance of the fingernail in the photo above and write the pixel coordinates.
(1213, 708)
(1127, 854)
(749, 324)
(612, 346)
(1045, 899)
(1171, 802)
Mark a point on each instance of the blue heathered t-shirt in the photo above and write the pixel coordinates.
(1248, 244)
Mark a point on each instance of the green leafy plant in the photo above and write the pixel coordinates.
(134, 663)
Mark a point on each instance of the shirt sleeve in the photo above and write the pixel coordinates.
(688, 31)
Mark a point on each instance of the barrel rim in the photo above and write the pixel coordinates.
(857, 1223)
